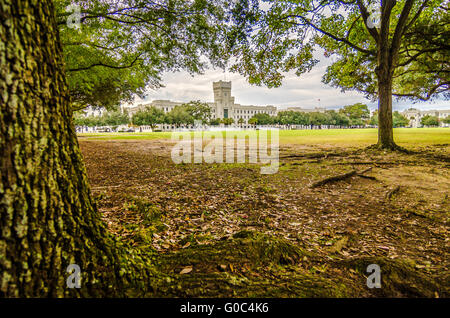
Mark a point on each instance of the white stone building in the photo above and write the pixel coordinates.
(415, 116)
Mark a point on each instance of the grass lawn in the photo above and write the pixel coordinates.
(338, 137)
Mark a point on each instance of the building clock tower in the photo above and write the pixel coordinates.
(223, 99)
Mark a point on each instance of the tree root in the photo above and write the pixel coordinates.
(391, 147)
(391, 192)
(334, 178)
(343, 177)
(367, 163)
(361, 174)
(319, 155)
(367, 177)
(252, 264)
(400, 278)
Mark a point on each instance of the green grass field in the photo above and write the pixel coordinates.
(355, 137)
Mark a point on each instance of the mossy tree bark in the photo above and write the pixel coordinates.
(385, 124)
(48, 219)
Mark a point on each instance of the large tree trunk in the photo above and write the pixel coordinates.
(385, 131)
(48, 219)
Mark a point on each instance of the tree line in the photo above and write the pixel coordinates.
(196, 111)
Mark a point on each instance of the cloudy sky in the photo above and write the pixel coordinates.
(296, 91)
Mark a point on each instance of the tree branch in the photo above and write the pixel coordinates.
(415, 56)
(104, 65)
(430, 93)
(334, 37)
(399, 30)
(351, 27)
(416, 16)
(365, 15)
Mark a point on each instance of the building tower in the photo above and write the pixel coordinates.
(223, 99)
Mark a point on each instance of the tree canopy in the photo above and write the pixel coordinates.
(263, 119)
(399, 120)
(198, 111)
(285, 36)
(429, 120)
(357, 113)
(123, 47)
(108, 118)
(227, 121)
(150, 116)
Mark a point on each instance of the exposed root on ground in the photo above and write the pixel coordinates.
(391, 147)
(245, 266)
(391, 192)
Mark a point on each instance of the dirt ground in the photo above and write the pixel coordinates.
(393, 209)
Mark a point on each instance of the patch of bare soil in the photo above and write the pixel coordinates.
(343, 209)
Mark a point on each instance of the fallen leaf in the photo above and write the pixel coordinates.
(222, 267)
(186, 270)
(337, 247)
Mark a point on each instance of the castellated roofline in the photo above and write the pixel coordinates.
(221, 84)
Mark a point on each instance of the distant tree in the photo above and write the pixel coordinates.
(399, 120)
(374, 119)
(214, 122)
(179, 115)
(300, 118)
(227, 121)
(336, 118)
(317, 118)
(330, 117)
(285, 118)
(79, 118)
(263, 119)
(241, 121)
(150, 116)
(446, 120)
(292, 118)
(253, 121)
(115, 118)
(429, 120)
(357, 113)
(198, 111)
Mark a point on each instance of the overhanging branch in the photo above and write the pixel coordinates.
(105, 65)
(434, 90)
(334, 37)
(365, 15)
